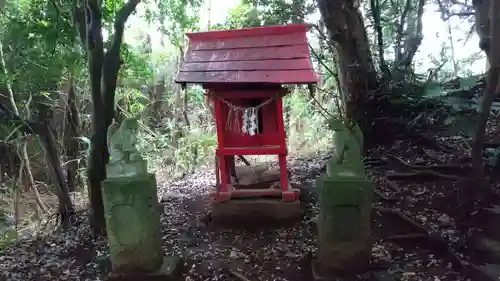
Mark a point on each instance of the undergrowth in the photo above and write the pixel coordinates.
(305, 122)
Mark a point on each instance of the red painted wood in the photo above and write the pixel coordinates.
(262, 65)
(248, 193)
(281, 122)
(250, 42)
(269, 115)
(272, 141)
(265, 53)
(253, 151)
(236, 95)
(283, 172)
(252, 55)
(235, 140)
(219, 121)
(225, 177)
(274, 77)
(229, 159)
(258, 56)
(254, 31)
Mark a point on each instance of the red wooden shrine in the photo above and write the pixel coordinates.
(242, 72)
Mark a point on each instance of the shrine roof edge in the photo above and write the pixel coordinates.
(243, 83)
(251, 31)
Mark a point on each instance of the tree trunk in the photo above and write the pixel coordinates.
(71, 145)
(178, 131)
(414, 36)
(66, 209)
(96, 164)
(375, 10)
(357, 74)
(103, 70)
(44, 130)
(483, 25)
(491, 91)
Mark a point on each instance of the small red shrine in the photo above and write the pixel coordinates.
(242, 72)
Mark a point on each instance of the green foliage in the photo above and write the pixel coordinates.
(454, 105)
(135, 102)
(252, 13)
(137, 69)
(177, 17)
(244, 15)
(8, 236)
(39, 42)
(492, 155)
(276, 12)
(458, 98)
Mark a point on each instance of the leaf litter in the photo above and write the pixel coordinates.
(278, 253)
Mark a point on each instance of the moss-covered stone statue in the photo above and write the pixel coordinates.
(344, 242)
(125, 159)
(348, 143)
(131, 207)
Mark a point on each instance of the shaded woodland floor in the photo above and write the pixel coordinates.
(430, 222)
(417, 236)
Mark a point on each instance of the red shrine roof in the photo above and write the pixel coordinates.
(270, 54)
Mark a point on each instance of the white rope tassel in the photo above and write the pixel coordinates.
(253, 122)
(249, 116)
(250, 124)
(244, 125)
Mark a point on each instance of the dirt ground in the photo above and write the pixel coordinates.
(422, 226)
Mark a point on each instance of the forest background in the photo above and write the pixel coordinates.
(70, 67)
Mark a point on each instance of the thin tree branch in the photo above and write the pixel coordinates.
(399, 33)
(121, 18)
(375, 9)
(112, 61)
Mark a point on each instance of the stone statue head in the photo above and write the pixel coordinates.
(130, 123)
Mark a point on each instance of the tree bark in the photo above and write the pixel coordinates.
(357, 73)
(178, 132)
(71, 133)
(103, 69)
(408, 39)
(491, 91)
(375, 9)
(66, 210)
(483, 25)
(400, 31)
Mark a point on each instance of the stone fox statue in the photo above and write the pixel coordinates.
(122, 140)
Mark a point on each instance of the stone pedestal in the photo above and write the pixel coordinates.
(344, 240)
(133, 223)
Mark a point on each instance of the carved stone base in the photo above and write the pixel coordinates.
(119, 169)
(132, 223)
(171, 270)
